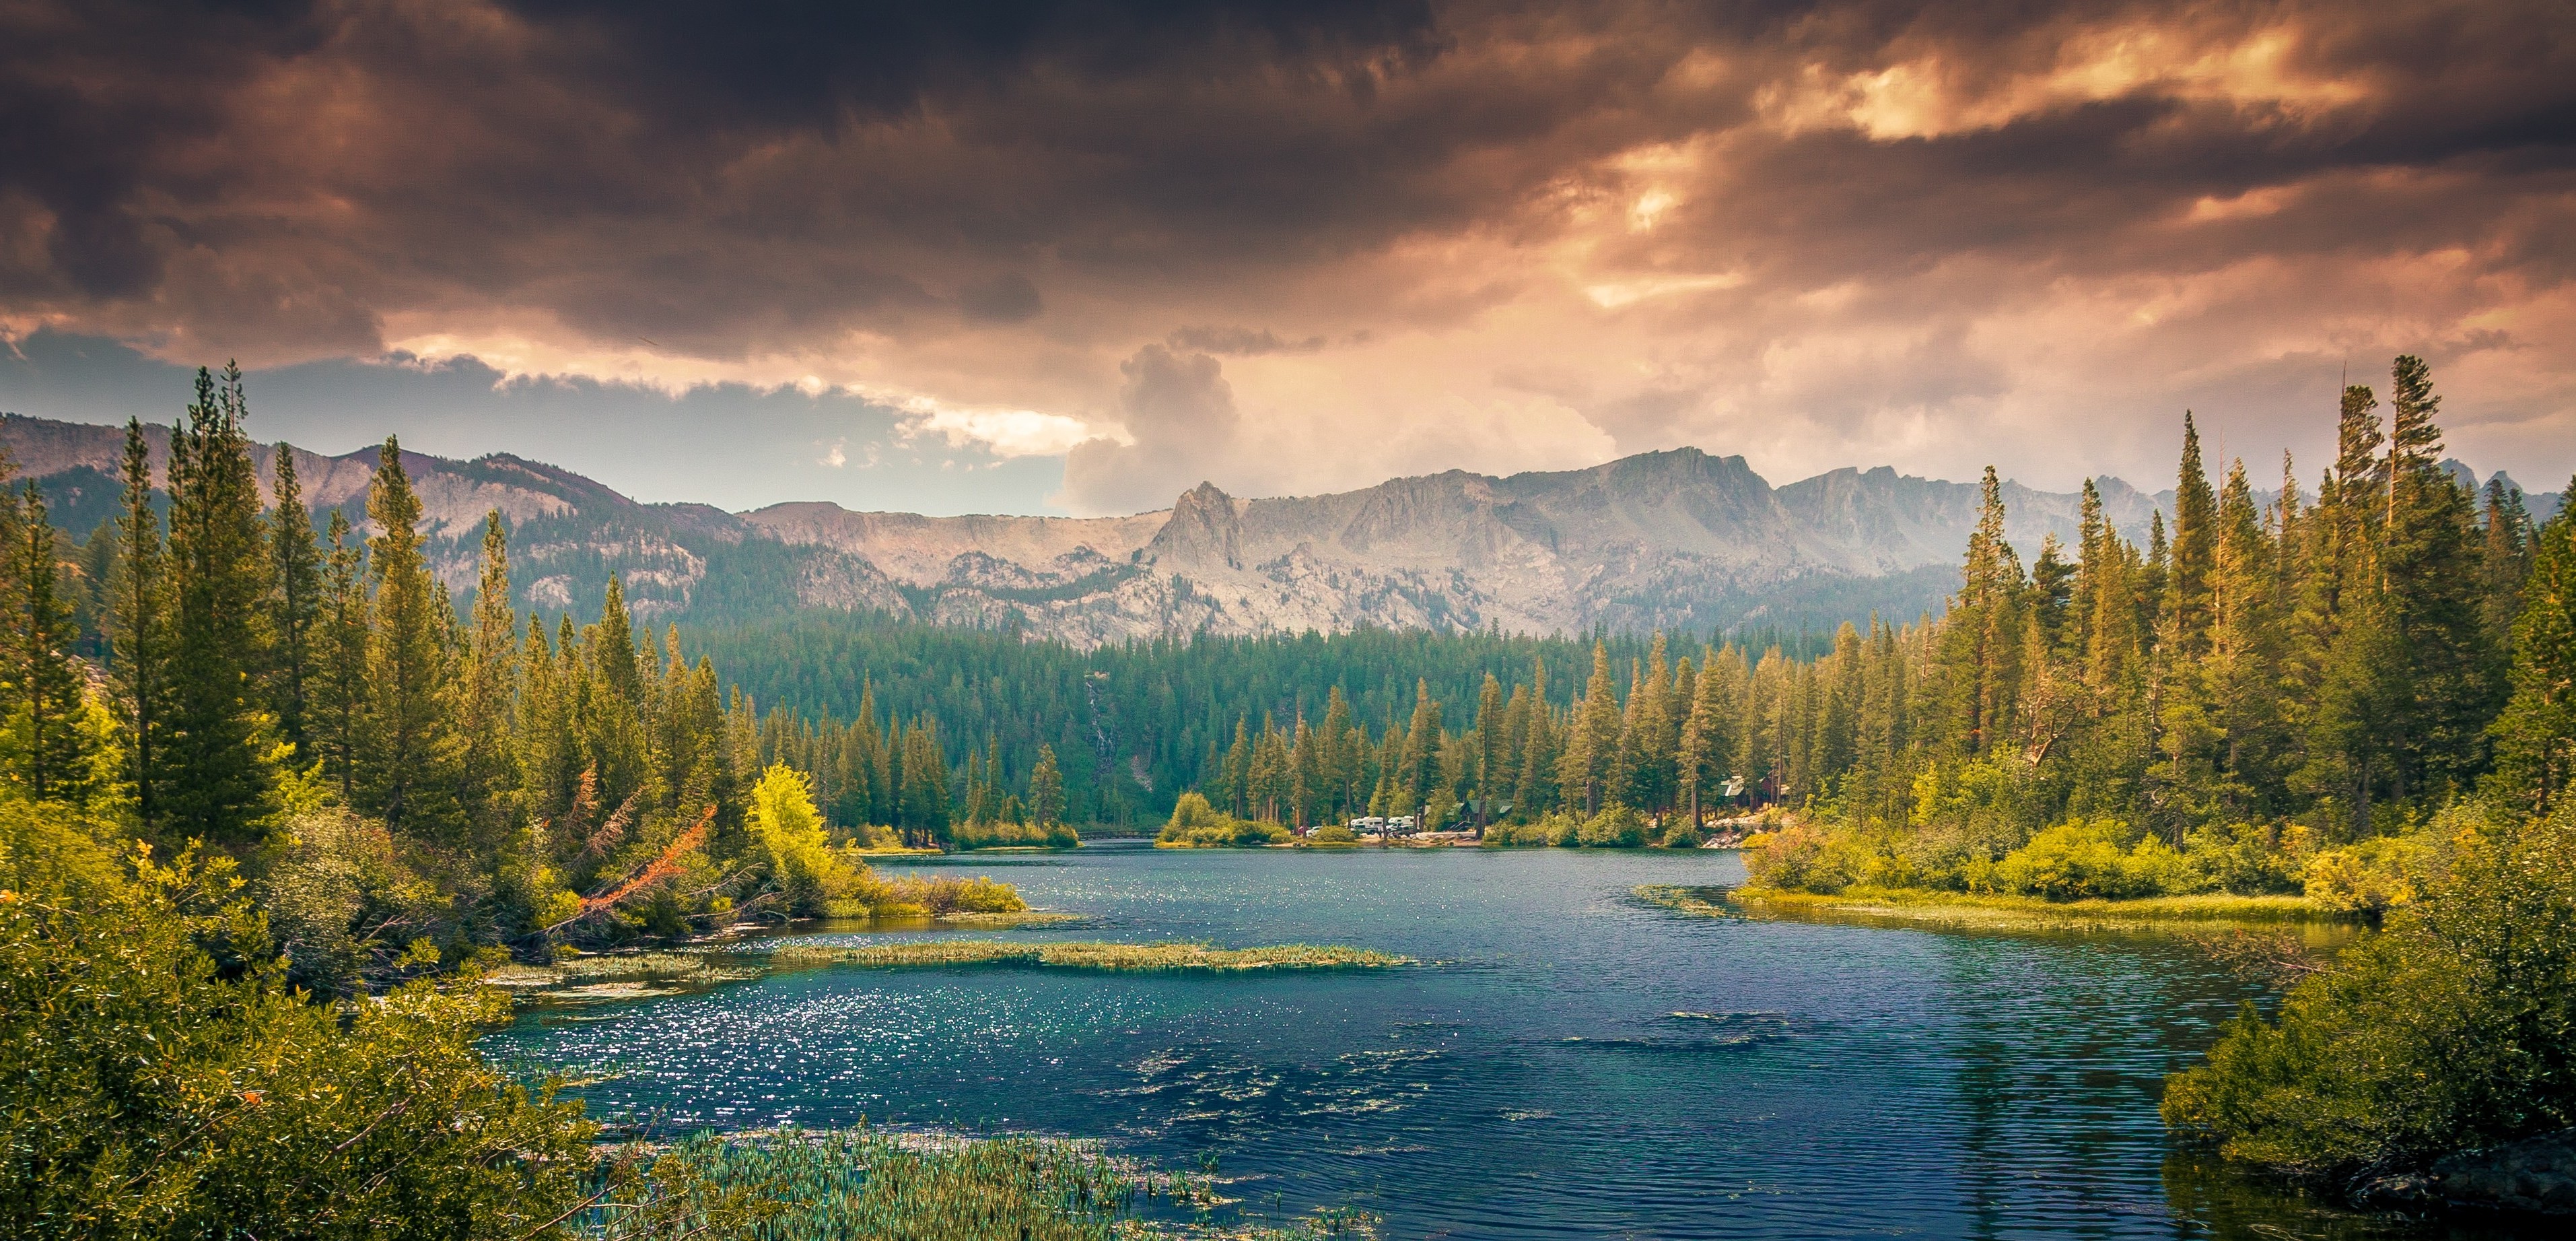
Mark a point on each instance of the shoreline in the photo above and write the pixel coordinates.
(1924, 909)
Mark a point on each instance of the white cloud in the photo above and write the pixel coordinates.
(1001, 432)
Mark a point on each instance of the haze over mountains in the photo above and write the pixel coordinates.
(1676, 540)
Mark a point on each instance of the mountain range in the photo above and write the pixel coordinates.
(1677, 540)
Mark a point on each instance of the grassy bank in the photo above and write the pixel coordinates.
(800, 1186)
(1966, 910)
(1119, 958)
(620, 976)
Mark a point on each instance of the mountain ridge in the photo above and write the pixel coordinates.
(1677, 539)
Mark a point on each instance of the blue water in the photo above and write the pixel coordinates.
(1574, 1063)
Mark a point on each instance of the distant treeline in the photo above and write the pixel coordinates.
(1134, 725)
(2340, 655)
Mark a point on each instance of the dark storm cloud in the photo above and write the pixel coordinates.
(1641, 222)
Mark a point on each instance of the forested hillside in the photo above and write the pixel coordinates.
(2337, 655)
(2333, 653)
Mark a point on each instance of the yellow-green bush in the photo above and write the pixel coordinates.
(808, 874)
(2078, 861)
(2249, 859)
(2371, 876)
(1195, 824)
(997, 834)
(160, 1077)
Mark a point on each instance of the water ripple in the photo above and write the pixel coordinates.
(1580, 1065)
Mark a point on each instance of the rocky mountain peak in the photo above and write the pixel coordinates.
(1679, 540)
(1205, 531)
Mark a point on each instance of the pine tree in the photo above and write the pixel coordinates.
(490, 679)
(212, 775)
(405, 752)
(2535, 737)
(925, 786)
(2244, 651)
(294, 604)
(1539, 789)
(340, 658)
(2504, 561)
(1649, 734)
(1706, 740)
(1046, 789)
(2430, 547)
(1983, 636)
(1340, 759)
(54, 750)
(2188, 604)
(1493, 746)
(1418, 768)
(1592, 741)
(2358, 471)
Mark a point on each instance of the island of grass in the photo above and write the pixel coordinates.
(1090, 955)
(1968, 909)
(2079, 873)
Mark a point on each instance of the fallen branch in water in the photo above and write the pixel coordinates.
(661, 869)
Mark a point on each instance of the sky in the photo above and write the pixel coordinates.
(997, 256)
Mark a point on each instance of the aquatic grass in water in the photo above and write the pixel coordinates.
(1702, 902)
(1989, 912)
(857, 1183)
(1119, 958)
(659, 967)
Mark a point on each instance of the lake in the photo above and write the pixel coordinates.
(1572, 1063)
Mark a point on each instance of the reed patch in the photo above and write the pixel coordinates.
(1091, 955)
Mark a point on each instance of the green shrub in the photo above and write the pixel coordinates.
(2249, 859)
(1616, 827)
(1564, 829)
(160, 1078)
(1000, 834)
(2077, 861)
(1683, 835)
(1195, 824)
(2452, 1028)
(1797, 858)
(1333, 834)
(2371, 876)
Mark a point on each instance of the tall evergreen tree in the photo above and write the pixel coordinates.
(214, 777)
(339, 695)
(294, 603)
(2189, 602)
(54, 751)
(1591, 750)
(2535, 738)
(1418, 770)
(1493, 745)
(405, 756)
(1046, 789)
(491, 668)
(2451, 687)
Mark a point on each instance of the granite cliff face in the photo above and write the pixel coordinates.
(1677, 540)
